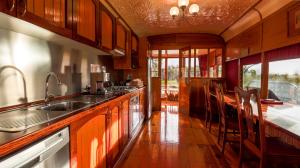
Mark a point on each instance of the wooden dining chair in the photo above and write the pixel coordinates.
(228, 124)
(253, 138)
(208, 111)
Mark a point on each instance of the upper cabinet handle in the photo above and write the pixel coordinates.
(11, 5)
(25, 8)
(22, 7)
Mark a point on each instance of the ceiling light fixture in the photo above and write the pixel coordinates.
(183, 4)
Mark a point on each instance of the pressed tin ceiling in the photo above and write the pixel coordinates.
(151, 17)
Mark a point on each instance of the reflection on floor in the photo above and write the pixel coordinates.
(172, 140)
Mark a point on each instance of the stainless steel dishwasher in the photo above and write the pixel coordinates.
(50, 152)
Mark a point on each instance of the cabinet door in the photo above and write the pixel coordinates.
(85, 16)
(124, 62)
(49, 14)
(125, 123)
(142, 105)
(121, 34)
(8, 7)
(107, 27)
(88, 142)
(114, 134)
(134, 43)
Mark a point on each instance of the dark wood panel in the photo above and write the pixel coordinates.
(177, 41)
(134, 43)
(156, 100)
(276, 30)
(275, 35)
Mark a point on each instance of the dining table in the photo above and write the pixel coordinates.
(281, 120)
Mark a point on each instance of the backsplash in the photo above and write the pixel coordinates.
(35, 58)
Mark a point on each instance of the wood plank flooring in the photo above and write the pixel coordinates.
(173, 140)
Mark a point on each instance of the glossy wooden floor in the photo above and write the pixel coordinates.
(173, 140)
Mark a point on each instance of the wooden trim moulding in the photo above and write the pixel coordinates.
(246, 12)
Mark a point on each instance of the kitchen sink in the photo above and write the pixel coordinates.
(22, 119)
(64, 106)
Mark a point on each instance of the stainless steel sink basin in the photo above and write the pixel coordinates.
(64, 106)
(20, 120)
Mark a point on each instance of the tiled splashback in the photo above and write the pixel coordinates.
(35, 58)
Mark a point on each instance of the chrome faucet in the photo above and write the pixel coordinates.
(48, 96)
(24, 99)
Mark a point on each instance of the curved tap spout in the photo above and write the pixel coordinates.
(47, 95)
(25, 99)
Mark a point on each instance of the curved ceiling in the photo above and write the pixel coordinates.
(151, 17)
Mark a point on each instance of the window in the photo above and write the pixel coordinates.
(252, 75)
(154, 63)
(198, 74)
(201, 62)
(154, 67)
(284, 80)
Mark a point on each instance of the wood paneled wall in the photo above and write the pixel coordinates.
(177, 41)
(275, 35)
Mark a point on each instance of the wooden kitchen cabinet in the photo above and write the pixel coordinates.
(107, 27)
(130, 60)
(121, 36)
(88, 140)
(134, 43)
(85, 21)
(49, 14)
(9, 7)
(114, 135)
(124, 122)
(124, 62)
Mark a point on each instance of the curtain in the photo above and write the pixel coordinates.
(232, 74)
(253, 59)
(289, 52)
(203, 65)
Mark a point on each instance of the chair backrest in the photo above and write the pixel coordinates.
(247, 103)
(220, 101)
(221, 83)
(206, 88)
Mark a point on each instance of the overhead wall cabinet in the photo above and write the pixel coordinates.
(131, 58)
(85, 25)
(107, 27)
(86, 21)
(121, 37)
(49, 14)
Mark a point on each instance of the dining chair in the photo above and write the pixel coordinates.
(253, 138)
(208, 111)
(228, 124)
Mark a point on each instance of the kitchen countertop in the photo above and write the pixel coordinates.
(11, 141)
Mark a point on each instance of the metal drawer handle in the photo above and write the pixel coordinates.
(23, 3)
(25, 8)
(12, 4)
